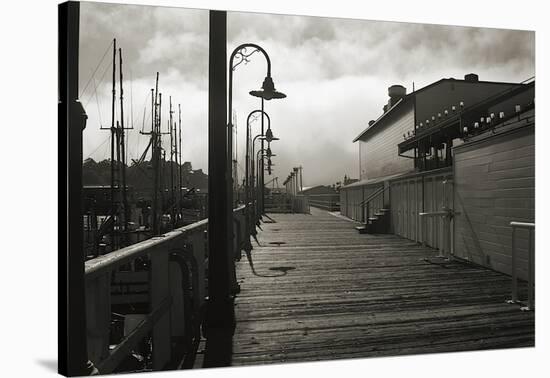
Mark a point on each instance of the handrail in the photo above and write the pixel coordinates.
(530, 266)
(373, 195)
(112, 260)
(522, 225)
(446, 215)
(367, 203)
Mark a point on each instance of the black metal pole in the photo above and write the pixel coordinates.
(72, 348)
(113, 136)
(156, 158)
(220, 310)
(262, 210)
(172, 193)
(180, 165)
(123, 151)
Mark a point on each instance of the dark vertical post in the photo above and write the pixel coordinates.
(113, 136)
(220, 311)
(180, 183)
(72, 349)
(154, 157)
(122, 164)
(172, 193)
(261, 171)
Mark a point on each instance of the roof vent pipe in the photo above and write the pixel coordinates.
(471, 78)
(396, 92)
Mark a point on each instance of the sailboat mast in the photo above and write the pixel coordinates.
(155, 160)
(113, 136)
(180, 164)
(173, 198)
(161, 156)
(122, 146)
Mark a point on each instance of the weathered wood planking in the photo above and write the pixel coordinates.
(348, 295)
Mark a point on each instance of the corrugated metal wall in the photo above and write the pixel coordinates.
(494, 185)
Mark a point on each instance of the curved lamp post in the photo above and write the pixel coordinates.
(269, 139)
(260, 187)
(251, 229)
(268, 92)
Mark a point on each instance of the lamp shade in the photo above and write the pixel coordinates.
(268, 91)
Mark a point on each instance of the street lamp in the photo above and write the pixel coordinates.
(260, 178)
(267, 92)
(251, 230)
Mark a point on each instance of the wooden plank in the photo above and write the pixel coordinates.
(329, 292)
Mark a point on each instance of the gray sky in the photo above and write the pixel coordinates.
(334, 71)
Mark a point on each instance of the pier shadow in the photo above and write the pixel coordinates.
(219, 348)
(271, 220)
(282, 269)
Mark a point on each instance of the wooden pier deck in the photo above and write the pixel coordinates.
(322, 291)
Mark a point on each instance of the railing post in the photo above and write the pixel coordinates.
(423, 230)
(160, 289)
(98, 316)
(514, 273)
(531, 288)
(443, 248)
(368, 211)
(178, 313)
(199, 249)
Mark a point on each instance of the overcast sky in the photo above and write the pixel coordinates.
(335, 72)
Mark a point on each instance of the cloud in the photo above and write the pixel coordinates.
(334, 71)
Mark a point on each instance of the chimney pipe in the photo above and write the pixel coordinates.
(471, 78)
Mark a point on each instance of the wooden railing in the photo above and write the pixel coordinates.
(287, 203)
(530, 227)
(329, 202)
(176, 257)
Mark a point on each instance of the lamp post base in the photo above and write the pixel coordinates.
(219, 328)
(220, 315)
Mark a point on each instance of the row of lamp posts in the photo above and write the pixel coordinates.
(293, 182)
(254, 183)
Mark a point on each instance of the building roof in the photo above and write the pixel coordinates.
(412, 95)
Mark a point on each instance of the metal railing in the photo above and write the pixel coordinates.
(446, 216)
(168, 253)
(530, 227)
(329, 202)
(366, 204)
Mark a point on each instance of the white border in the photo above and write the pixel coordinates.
(29, 183)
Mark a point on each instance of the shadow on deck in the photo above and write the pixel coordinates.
(322, 291)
